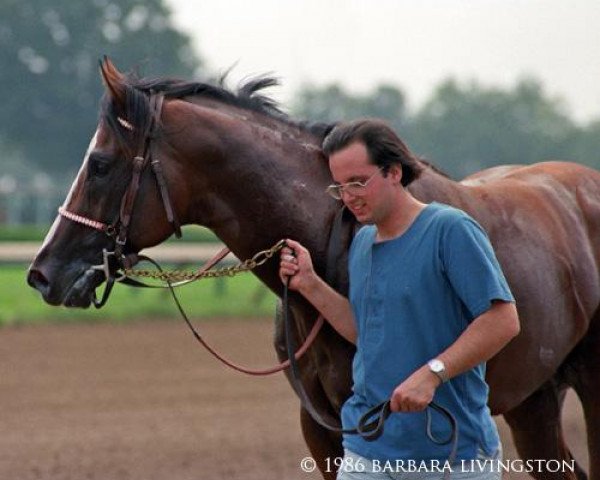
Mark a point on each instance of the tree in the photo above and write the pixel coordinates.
(49, 79)
(585, 145)
(333, 103)
(464, 128)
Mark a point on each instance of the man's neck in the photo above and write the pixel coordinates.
(400, 218)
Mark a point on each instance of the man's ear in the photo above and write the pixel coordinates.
(114, 81)
(395, 171)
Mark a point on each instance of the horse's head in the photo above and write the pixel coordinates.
(116, 205)
(232, 162)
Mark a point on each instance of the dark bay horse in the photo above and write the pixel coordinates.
(234, 163)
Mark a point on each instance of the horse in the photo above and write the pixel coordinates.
(233, 162)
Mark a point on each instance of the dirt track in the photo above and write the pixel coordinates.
(142, 402)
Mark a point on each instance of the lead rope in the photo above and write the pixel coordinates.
(370, 426)
(255, 372)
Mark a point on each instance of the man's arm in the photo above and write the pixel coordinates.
(484, 338)
(296, 264)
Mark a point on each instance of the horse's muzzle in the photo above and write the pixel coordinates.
(68, 290)
(36, 279)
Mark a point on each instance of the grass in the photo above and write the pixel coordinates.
(19, 233)
(241, 296)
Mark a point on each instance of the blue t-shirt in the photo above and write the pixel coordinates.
(412, 297)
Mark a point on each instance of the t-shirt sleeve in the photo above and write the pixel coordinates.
(471, 266)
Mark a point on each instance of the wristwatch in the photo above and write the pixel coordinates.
(437, 367)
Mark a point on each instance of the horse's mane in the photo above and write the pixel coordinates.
(433, 167)
(249, 96)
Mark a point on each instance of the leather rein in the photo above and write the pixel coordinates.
(371, 424)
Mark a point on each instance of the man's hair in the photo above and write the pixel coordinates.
(384, 147)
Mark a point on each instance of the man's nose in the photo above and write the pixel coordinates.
(348, 195)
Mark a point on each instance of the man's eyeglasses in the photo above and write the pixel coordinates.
(337, 190)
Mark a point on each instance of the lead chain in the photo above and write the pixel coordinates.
(181, 275)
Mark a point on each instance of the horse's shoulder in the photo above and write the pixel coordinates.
(562, 171)
(490, 174)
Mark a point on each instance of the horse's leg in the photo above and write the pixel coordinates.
(322, 444)
(588, 390)
(537, 431)
(583, 373)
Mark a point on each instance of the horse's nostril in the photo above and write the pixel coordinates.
(37, 280)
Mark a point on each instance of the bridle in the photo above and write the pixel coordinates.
(371, 424)
(119, 229)
(115, 261)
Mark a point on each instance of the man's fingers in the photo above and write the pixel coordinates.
(287, 254)
(289, 262)
(292, 244)
(294, 263)
(287, 271)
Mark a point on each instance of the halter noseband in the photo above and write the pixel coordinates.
(88, 222)
(119, 229)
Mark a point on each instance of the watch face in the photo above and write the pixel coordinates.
(436, 365)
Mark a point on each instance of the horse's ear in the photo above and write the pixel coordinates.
(114, 81)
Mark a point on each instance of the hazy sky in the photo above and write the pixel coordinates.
(412, 44)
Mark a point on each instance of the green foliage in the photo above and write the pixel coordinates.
(49, 78)
(332, 103)
(586, 145)
(241, 296)
(466, 127)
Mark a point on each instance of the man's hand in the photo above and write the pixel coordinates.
(296, 264)
(416, 392)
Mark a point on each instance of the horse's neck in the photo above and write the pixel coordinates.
(432, 186)
(271, 187)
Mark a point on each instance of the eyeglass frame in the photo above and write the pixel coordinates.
(336, 190)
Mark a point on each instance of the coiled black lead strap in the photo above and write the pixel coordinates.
(371, 424)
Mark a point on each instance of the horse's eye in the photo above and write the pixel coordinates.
(99, 168)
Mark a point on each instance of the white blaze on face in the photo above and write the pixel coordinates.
(50, 234)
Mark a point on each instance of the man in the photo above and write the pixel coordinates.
(428, 305)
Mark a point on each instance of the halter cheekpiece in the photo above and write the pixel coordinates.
(120, 227)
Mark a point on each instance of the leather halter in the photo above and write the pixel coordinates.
(140, 161)
(113, 261)
(119, 229)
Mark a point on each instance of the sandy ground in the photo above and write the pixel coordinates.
(142, 401)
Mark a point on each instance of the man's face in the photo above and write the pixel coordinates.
(371, 203)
